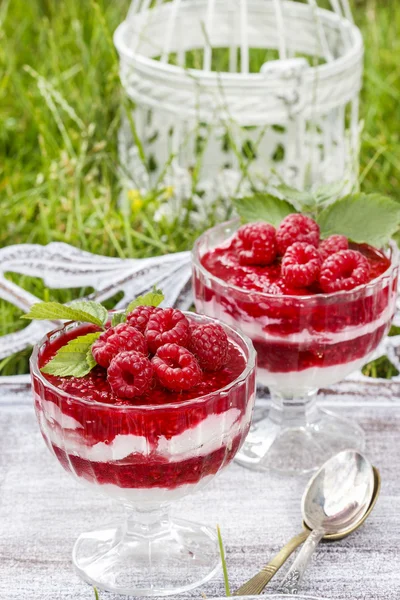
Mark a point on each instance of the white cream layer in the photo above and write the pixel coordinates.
(214, 431)
(147, 496)
(297, 382)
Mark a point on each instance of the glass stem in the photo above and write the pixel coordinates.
(147, 523)
(294, 411)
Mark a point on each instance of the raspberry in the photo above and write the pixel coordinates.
(258, 244)
(209, 344)
(130, 374)
(333, 244)
(176, 368)
(167, 326)
(344, 270)
(115, 340)
(301, 265)
(296, 228)
(140, 316)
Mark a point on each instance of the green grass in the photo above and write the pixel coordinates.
(60, 109)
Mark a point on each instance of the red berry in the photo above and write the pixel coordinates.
(258, 244)
(130, 374)
(176, 368)
(209, 344)
(140, 316)
(167, 326)
(296, 228)
(301, 265)
(344, 270)
(333, 244)
(115, 340)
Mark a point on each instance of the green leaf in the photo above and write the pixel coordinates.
(263, 207)
(363, 218)
(329, 193)
(96, 594)
(95, 309)
(117, 318)
(396, 238)
(300, 199)
(88, 312)
(90, 359)
(223, 561)
(153, 298)
(75, 358)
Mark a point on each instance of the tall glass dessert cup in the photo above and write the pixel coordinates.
(303, 344)
(145, 456)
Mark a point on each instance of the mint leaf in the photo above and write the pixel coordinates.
(263, 207)
(88, 312)
(95, 309)
(301, 200)
(328, 193)
(73, 359)
(90, 358)
(153, 298)
(363, 218)
(117, 318)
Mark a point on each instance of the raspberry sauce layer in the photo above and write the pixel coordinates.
(223, 262)
(295, 330)
(161, 440)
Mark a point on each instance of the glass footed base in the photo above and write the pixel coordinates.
(294, 445)
(177, 556)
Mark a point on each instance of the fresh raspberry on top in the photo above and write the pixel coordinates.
(130, 374)
(167, 326)
(333, 244)
(296, 228)
(344, 270)
(258, 244)
(301, 265)
(209, 344)
(140, 316)
(176, 368)
(115, 340)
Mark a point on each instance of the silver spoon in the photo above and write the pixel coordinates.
(336, 497)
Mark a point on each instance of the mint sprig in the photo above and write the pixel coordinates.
(263, 207)
(369, 218)
(86, 311)
(74, 359)
(363, 218)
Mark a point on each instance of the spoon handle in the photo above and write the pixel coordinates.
(256, 584)
(292, 580)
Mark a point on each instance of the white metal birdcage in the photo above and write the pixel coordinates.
(233, 94)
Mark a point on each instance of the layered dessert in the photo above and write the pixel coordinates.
(166, 403)
(314, 309)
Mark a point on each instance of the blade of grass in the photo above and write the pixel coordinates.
(224, 567)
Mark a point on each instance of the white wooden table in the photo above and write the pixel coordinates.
(42, 510)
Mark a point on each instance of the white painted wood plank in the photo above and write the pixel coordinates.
(42, 511)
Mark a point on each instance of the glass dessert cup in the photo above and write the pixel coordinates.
(145, 457)
(303, 343)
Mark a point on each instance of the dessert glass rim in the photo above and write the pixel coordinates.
(250, 366)
(394, 263)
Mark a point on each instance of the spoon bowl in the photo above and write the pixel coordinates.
(332, 537)
(339, 494)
